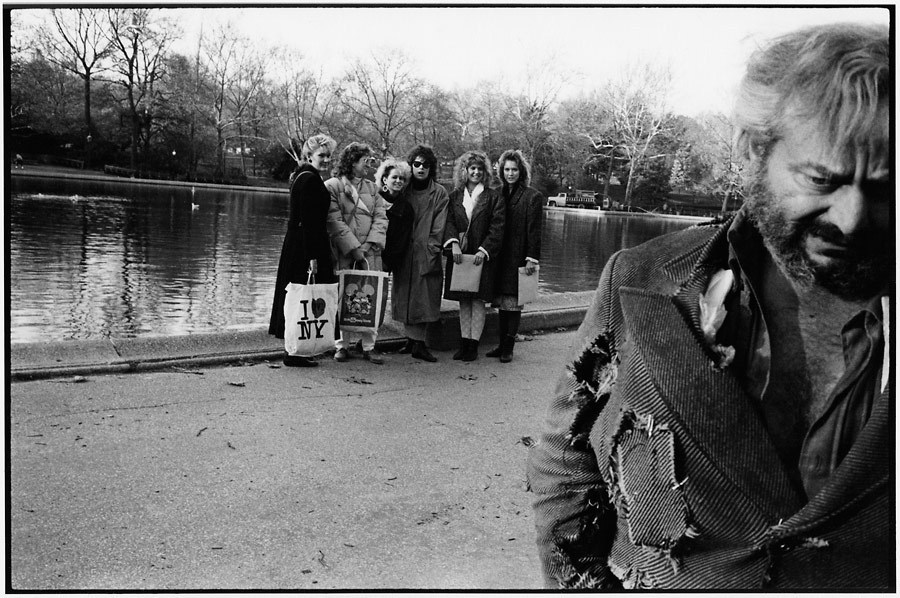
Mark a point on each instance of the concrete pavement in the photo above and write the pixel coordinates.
(185, 464)
(408, 475)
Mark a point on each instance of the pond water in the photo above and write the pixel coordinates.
(124, 260)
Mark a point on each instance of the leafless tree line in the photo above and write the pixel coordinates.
(232, 95)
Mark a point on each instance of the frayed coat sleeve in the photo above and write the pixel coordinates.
(574, 517)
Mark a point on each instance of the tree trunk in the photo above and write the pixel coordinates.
(609, 171)
(88, 125)
(135, 137)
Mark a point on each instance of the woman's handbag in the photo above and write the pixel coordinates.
(363, 299)
(528, 285)
(309, 314)
(465, 276)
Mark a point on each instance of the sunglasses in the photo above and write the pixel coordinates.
(417, 164)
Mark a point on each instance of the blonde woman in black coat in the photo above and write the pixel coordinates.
(306, 245)
(475, 219)
(521, 245)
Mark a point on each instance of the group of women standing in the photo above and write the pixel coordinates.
(406, 223)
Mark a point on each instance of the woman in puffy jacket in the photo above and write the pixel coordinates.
(357, 225)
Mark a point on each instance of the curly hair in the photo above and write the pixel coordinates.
(387, 165)
(350, 155)
(524, 168)
(837, 76)
(425, 152)
(314, 142)
(470, 158)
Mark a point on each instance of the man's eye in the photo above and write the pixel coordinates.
(820, 182)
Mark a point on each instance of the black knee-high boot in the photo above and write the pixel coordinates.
(508, 342)
(502, 327)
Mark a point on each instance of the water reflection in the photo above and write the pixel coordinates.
(95, 260)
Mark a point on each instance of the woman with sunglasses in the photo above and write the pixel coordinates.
(306, 245)
(416, 290)
(357, 224)
(521, 246)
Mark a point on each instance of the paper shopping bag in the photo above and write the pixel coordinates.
(465, 276)
(528, 285)
(363, 299)
(310, 311)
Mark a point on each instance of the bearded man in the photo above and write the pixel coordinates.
(725, 422)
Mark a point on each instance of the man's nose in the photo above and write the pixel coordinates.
(851, 210)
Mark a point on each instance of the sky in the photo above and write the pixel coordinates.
(455, 47)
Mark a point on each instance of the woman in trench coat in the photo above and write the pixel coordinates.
(416, 290)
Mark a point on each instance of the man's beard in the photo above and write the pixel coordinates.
(864, 272)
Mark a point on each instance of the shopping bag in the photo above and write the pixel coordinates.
(528, 285)
(310, 311)
(363, 299)
(466, 276)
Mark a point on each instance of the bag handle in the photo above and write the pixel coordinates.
(310, 276)
(356, 262)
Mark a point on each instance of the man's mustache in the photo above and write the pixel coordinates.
(867, 242)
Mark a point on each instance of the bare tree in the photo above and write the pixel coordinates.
(382, 94)
(77, 40)
(300, 102)
(637, 103)
(140, 41)
(531, 104)
(234, 71)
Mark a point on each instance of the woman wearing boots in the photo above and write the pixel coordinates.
(416, 290)
(521, 246)
(306, 243)
(475, 220)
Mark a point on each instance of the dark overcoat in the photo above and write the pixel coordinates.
(521, 238)
(399, 231)
(656, 469)
(485, 229)
(306, 239)
(417, 282)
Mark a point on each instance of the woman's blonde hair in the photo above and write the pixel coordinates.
(472, 157)
(387, 165)
(315, 142)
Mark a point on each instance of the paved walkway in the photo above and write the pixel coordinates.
(408, 475)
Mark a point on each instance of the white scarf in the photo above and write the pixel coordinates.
(469, 201)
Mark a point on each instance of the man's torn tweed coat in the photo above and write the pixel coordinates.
(655, 469)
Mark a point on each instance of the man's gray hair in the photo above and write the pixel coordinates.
(836, 76)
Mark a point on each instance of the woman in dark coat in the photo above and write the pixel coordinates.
(521, 246)
(416, 290)
(474, 226)
(306, 243)
(391, 179)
